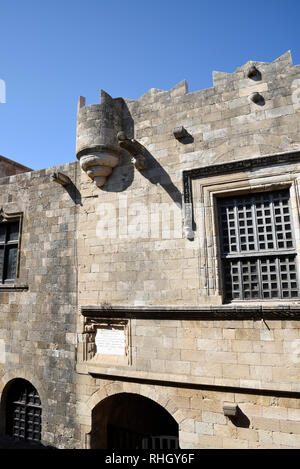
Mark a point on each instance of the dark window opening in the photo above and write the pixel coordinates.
(9, 242)
(258, 246)
(24, 412)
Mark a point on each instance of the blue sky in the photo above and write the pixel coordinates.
(51, 52)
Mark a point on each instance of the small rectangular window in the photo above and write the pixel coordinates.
(9, 244)
(258, 247)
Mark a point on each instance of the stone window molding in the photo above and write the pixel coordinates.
(9, 217)
(233, 311)
(189, 176)
(203, 187)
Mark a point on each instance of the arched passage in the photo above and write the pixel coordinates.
(132, 421)
(21, 407)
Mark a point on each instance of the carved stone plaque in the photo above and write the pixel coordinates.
(110, 341)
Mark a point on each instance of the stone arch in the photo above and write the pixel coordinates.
(155, 394)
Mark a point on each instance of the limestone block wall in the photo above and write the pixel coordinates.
(246, 354)
(251, 354)
(123, 245)
(200, 365)
(133, 253)
(263, 421)
(131, 245)
(38, 313)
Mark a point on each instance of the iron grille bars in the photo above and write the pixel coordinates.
(258, 246)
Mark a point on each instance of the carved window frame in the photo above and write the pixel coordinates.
(9, 218)
(203, 187)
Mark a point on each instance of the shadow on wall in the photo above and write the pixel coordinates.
(74, 193)
(123, 175)
(156, 174)
(7, 442)
(240, 420)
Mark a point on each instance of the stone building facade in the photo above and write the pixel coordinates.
(9, 167)
(155, 295)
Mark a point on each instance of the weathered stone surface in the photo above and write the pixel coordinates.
(126, 252)
(37, 320)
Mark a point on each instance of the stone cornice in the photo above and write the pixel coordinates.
(226, 168)
(182, 381)
(234, 166)
(223, 312)
(8, 288)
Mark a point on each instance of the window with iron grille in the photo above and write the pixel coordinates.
(9, 241)
(24, 411)
(258, 246)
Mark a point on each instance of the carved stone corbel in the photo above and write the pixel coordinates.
(60, 178)
(180, 132)
(135, 149)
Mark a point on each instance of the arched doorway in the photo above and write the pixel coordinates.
(23, 411)
(132, 421)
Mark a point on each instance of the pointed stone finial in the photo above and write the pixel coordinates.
(81, 102)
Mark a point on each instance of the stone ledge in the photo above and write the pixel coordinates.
(126, 373)
(279, 311)
(5, 288)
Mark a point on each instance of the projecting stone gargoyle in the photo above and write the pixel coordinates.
(134, 148)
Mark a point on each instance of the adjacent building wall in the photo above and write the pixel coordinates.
(9, 167)
(38, 313)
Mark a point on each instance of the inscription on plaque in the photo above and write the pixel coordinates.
(110, 341)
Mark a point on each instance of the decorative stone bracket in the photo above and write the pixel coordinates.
(230, 409)
(98, 162)
(60, 178)
(135, 149)
(180, 132)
